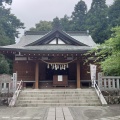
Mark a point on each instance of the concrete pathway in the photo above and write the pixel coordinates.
(96, 113)
(59, 113)
(109, 118)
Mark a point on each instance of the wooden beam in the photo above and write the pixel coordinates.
(37, 75)
(78, 74)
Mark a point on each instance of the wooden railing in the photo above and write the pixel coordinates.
(108, 82)
(16, 94)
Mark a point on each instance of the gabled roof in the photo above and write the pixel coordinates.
(39, 41)
(58, 33)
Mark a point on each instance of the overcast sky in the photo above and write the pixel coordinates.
(31, 12)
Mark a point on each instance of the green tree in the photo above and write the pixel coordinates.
(97, 21)
(66, 23)
(42, 26)
(79, 16)
(5, 1)
(108, 54)
(114, 14)
(4, 40)
(9, 24)
(111, 65)
(56, 23)
(4, 65)
(63, 23)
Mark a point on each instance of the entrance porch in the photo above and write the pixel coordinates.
(52, 71)
(50, 78)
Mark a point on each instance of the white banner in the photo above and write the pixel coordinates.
(93, 74)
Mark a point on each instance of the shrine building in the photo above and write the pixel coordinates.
(53, 59)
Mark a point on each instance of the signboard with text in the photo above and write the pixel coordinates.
(60, 78)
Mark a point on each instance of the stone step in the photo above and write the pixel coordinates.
(80, 90)
(57, 98)
(37, 98)
(58, 92)
(58, 104)
(49, 90)
(64, 94)
(56, 101)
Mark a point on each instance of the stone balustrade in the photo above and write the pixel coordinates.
(108, 83)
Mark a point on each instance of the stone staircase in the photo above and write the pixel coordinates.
(58, 97)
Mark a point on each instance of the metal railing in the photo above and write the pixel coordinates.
(99, 93)
(16, 94)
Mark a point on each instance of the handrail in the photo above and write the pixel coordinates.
(99, 93)
(16, 94)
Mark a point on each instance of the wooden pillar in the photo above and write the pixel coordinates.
(37, 75)
(78, 74)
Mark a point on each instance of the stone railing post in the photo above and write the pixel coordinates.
(100, 80)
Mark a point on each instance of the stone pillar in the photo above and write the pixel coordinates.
(37, 75)
(78, 74)
(100, 81)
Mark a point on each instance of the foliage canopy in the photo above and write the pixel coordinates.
(108, 54)
(79, 16)
(42, 26)
(9, 25)
(5, 1)
(4, 65)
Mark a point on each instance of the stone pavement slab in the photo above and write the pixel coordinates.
(51, 114)
(59, 113)
(60, 118)
(67, 114)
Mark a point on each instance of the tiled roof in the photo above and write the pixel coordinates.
(30, 37)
